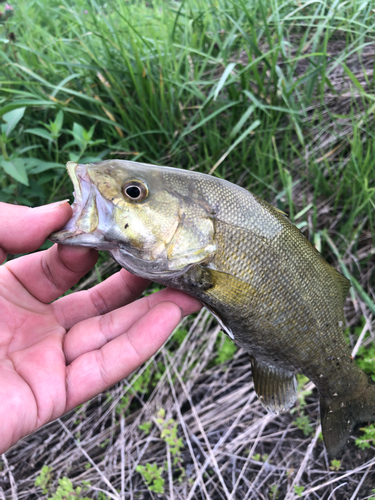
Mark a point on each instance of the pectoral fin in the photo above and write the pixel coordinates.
(276, 388)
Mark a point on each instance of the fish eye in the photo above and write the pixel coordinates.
(135, 190)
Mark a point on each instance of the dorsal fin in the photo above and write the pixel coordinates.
(276, 388)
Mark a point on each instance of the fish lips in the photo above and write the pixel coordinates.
(91, 213)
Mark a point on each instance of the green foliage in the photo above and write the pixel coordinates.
(302, 393)
(335, 465)
(102, 496)
(368, 437)
(31, 172)
(303, 423)
(44, 479)
(152, 474)
(260, 458)
(365, 359)
(226, 351)
(141, 382)
(123, 404)
(66, 491)
(169, 434)
(274, 492)
(179, 335)
(86, 79)
(145, 427)
(298, 490)
(140, 385)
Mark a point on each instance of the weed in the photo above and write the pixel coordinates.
(368, 437)
(260, 458)
(66, 491)
(226, 351)
(152, 474)
(103, 496)
(179, 335)
(303, 423)
(365, 359)
(123, 404)
(274, 492)
(145, 427)
(44, 479)
(169, 434)
(299, 490)
(302, 393)
(335, 465)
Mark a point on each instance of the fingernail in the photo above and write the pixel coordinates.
(50, 206)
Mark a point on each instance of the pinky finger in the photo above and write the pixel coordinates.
(95, 371)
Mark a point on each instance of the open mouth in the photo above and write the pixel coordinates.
(85, 213)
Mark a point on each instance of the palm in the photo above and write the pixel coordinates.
(33, 361)
(56, 355)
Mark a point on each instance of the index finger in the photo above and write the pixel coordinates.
(114, 292)
(47, 275)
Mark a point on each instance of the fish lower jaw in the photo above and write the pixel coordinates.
(82, 239)
(64, 236)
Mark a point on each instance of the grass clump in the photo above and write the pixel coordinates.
(239, 89)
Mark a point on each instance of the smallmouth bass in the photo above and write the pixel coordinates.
(270, 289)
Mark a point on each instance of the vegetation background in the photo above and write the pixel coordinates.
(277, 96)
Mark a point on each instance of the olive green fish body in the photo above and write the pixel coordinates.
(273, 293)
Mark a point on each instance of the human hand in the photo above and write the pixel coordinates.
(57, 354)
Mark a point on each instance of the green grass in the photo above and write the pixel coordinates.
(213, 86)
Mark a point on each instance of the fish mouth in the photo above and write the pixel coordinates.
(82, 228)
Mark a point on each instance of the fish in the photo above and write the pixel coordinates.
(272, 292)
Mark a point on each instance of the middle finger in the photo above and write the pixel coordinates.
(95, 332)
(116, 291)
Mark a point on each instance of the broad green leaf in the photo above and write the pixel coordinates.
(41, 132)
(59, 121)
(78, 133)
(45, 165)
(12, 118)
(16, 169)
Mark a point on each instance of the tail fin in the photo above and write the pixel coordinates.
(339, 416)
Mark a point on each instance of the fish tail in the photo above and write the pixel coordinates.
(339, 415)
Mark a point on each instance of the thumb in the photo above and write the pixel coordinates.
(24, 229)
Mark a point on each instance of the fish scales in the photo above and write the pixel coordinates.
(271, 290)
